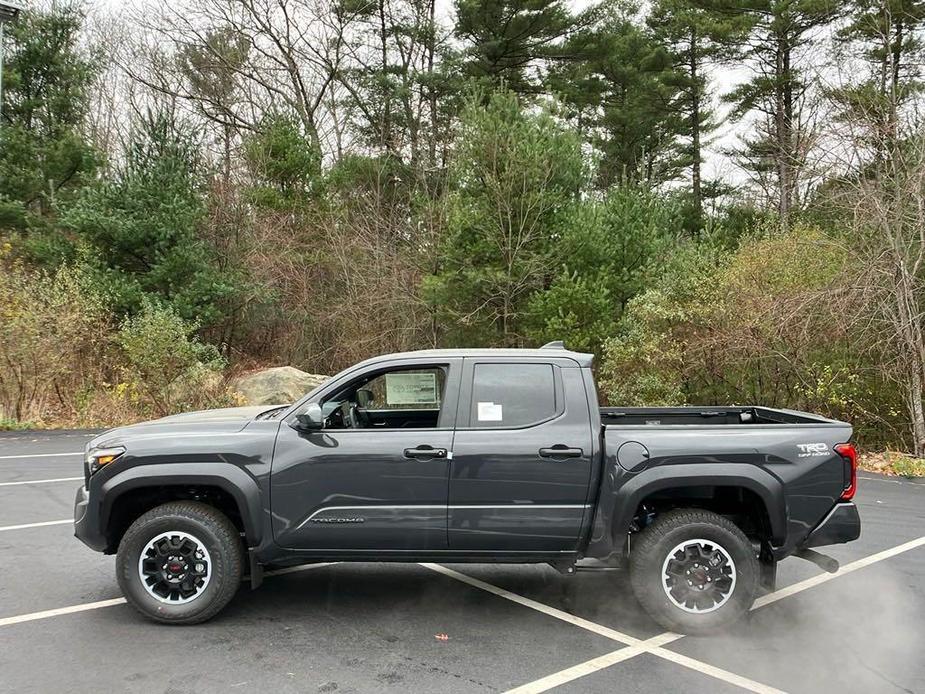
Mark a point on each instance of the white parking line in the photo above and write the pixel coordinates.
(4, 528)
(654, 645)
(634, 646)
(538, 606)
(846, 569)
(557, 679)
(713, 671)
(45, 614)
(56, 479)
(40, 455)
(638, 646)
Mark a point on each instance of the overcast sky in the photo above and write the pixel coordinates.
(724, 79)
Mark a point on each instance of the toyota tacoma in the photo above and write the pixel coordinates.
(478, 455)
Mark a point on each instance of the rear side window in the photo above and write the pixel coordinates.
(512, 395)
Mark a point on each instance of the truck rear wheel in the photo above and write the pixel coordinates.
(180, 563)
(694, 571)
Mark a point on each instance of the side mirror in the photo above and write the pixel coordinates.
(311, 419)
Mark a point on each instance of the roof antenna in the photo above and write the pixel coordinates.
(555, 344)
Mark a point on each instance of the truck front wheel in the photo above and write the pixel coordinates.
(694, 571)
(180, 563)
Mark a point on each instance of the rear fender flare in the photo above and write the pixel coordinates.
(229, 478)
(768, 488)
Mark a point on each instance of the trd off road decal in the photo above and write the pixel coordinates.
(812, 450)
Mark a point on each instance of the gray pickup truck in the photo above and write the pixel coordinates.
(488, 455)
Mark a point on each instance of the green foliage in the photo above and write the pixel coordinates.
(573, 309)
(44, 158)
(141, 227)
(756, 326)
(885, 37)
(505, 38)
(385, 178)
(696, 38)
(17, 425)
(285, 162)
(212, 68)
(644, 363)
(610, 250)
(165, 363)
(516, 179)
(340, 195)
(53, 333)
(621, 92)
(888, 34)
(906, 465)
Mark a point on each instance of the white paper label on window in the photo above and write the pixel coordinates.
(490, 412)
(411, 388)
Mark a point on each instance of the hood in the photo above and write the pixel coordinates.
(226, 420)
(225, 414)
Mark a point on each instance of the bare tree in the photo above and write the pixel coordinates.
(237, 60)
(888, 211)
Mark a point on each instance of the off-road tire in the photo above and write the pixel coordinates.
(220, 538)
(650, 550)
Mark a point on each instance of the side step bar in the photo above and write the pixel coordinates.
(588, 564)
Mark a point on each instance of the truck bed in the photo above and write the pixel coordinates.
(706, 416)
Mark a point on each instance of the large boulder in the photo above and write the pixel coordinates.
(277, 386)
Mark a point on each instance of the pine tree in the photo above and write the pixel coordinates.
(213, 70)
(46, 82)
(516, 178)
(778, 90)
(696, 39)
(508, 41)
(141, 226)
(620, 91)
(887, 35)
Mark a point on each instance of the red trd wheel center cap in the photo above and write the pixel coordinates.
(174, 567)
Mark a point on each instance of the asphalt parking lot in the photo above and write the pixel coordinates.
(457, 628)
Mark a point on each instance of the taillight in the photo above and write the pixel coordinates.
(850, 455)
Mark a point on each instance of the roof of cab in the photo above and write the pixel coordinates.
(552, 350)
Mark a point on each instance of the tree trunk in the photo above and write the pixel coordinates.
(431, 91)
(385, 135)
(784, 119)
(916, 413)
(912, 347)
(695, 128)
(896, 59)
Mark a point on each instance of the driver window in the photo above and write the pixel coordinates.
(397, 399)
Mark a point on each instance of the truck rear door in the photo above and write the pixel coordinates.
(522, 456)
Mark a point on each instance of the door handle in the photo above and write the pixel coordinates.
(561, 451)
(424, 452)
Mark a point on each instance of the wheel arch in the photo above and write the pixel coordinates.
(737, 487)
(131, 493)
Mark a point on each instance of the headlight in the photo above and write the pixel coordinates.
(99, 457)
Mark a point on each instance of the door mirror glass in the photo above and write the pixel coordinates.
(311, 418)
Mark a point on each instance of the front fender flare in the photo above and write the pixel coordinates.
(230, 478)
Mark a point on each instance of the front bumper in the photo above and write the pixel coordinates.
(86, 522)
(842, 524)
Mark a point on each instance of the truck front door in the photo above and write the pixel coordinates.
(521, 468)
(375, 478)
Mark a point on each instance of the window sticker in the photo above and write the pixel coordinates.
(411, 388)
(490, 412)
